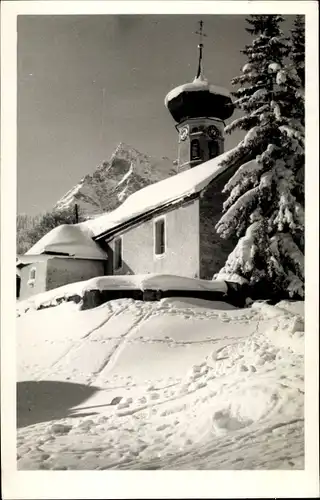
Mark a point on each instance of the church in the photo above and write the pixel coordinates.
(167, 227)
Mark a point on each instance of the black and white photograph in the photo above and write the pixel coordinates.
(159, 220)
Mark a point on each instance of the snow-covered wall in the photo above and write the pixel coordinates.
(182, 245)
(41, 276)
(63, 271)
(32, 286)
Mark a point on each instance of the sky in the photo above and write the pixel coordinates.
(86, 83)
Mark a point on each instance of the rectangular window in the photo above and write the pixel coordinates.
(117, 253)
(32, 277)
(160, 237)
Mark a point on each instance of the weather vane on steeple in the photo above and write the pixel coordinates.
(200, 47)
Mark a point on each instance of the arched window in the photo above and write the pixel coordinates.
(32, 276)
(195, 149)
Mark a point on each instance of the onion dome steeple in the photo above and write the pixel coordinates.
(199, 108)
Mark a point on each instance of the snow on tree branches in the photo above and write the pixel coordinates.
(298, 47)
(265, 205)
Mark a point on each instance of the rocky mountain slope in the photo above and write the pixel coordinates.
(111, 183)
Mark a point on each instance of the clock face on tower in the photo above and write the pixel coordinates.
(213, 132)
(184, 133)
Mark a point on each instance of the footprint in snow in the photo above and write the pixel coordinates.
(113, 427)
(60, 428)
(196, 369)
(195, 376)
(86, 424)
(243, 368)
(154, 395)
(162, 427)
(116, 400)
(222, 421)
(103, 420)
(125, 404)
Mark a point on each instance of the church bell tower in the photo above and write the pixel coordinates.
(199, 109)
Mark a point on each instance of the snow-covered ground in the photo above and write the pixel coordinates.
(174, 384)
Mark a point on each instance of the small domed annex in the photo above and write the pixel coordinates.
(199, 108)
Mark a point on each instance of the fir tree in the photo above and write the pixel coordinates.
(298, 47)
(264, 209)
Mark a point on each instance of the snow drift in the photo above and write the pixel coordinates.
(141, 282)
(175, 384)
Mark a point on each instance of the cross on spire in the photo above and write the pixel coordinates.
(200, 32)
(200, 47)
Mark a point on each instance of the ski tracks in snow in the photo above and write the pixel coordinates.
(241, 407)
(111, 313)
(110, 361)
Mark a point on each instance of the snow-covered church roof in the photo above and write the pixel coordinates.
(77, 240)
(70, 240)
(170, 190)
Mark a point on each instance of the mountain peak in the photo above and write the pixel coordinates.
(124, 150)
(124, 146)
(127, 171)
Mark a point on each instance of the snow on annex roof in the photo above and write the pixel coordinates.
(174, 188)
(72, 240)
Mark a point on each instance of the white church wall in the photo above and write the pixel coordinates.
(63, 271)
(181, 254)
(33, 279)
